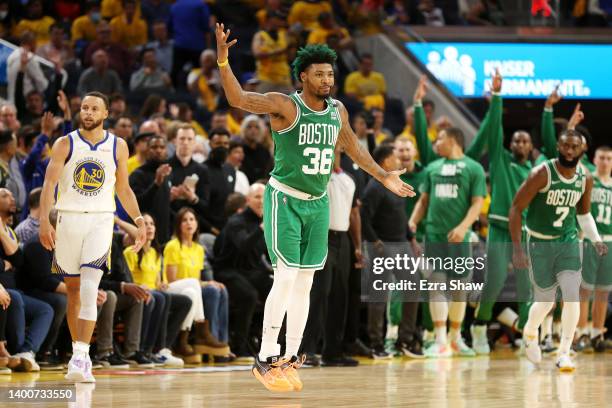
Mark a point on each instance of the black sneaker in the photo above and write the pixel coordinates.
(339, 361)
(412, 349)
(138, 359)
(112, 360)
(357, 348)
(598, 343)
(49, 361)
(379, 353)
(312, 360)
(583, 344)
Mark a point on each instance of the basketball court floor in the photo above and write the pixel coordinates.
(501, 380)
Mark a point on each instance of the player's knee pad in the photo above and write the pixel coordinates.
(90, 279)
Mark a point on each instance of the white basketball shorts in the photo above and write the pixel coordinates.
(82, 239)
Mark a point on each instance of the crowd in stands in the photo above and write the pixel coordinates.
(197, 165)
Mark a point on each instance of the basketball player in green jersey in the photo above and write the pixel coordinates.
(305, 129)
(597, 271)
(556, 194)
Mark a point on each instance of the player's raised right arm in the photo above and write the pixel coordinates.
(272, 103)
(59, 154)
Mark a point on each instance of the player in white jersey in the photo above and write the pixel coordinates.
(88, 166)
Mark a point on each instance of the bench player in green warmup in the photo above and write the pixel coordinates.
(556, 194)
(597, 271)
(305, 127)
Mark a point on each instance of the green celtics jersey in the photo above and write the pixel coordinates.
(552, 213)
(451, 185)
(601, 206)
(304, 152)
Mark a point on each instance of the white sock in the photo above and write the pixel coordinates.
(275, 308)
(546, 329)
(297, 312)
(440, 335)
(537, 313)
(78, 347)
(439, 311)
(569, 319)
(595, 332)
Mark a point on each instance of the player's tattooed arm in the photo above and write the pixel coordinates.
(347, 139)
(537, 180)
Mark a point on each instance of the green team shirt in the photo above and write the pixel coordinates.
(415, 179)
(601, 206)
(552, 212)
(451, 185)
(304, 152)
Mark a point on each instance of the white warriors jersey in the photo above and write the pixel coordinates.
(87, 183)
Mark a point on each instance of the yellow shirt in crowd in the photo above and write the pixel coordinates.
(188, 259)
(113, 8)
(133, 163)
(362, 86)
(319, 35)
(307, 13)
(150, 266)
(83, 29)
(273, 69)
(130, 35)
(39, 27)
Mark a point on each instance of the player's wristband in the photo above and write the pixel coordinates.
(222, 64)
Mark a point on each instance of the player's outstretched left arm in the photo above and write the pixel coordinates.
(586, 221)
(126, 195)
(347, 139)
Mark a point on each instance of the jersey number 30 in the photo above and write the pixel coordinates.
(321, 161)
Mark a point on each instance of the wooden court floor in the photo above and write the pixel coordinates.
(501, 380)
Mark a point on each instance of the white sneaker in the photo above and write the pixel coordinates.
(533, 351)
(28, 362)
(437, 350)
(480, 342)
(459, 348)
(169, 360)
(565, 363)
(79, 369)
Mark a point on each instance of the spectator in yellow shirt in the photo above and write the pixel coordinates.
(129, 29)
(270, 48)
(140, 151)
(307, 12)
(366, 85)
(113, 8)
(35, 22)
(84, 27)
(205, 81)
(271, 5)
(328, 27)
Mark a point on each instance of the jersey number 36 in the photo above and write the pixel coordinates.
(321, 161)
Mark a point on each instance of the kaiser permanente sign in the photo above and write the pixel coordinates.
(529, 70)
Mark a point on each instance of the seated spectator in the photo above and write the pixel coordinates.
(57, 50)
(124, 128)
(257, 161)
(160, 327)
(129, 299)
(185, 114)
(155, 11)
(150, 77)
(163, 46)
(128, 28)
(21, 61)
(222, 176)
(10, 176)
(270, 49)
(205, 82)
(120, 58)
(366, 85)
(28, 319)
(270, 6)
(328, 27)
(27, 230)
(380, 132)
(35, 22)
(238, 264)
(37, 280)
(140, 151)
(152, 188)
(117, 107)
(189, 180)
(184, 261)
(428, 14)
(235, 157)
(190, 22)
(7, 362)
(152, 105)
(150, 126)
(84, 28)
(99, 77)
(8, 117)
(486, 12)
(305, 13)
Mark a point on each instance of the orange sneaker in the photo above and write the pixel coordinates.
(290, 370)
(271, 375)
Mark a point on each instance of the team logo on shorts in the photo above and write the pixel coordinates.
(88, 177)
